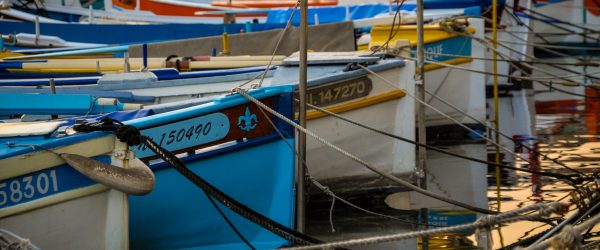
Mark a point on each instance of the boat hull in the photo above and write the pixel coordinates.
(395, 116)
(263, 185)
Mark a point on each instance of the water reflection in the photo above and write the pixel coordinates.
(567, 131)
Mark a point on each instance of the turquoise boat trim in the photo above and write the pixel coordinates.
(123, 96)
(454, 46)
(142, 123)
(54, 104)
(216, 105)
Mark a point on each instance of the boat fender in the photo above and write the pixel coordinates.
(136, 179)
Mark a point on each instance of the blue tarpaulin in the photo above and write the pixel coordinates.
(331, 14)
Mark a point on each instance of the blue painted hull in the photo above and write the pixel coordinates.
(129, 33)
(251, 163)
(177, 214)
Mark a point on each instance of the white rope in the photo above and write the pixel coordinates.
(486, 43)
(358, 160)
(485, 221)
(591, 245)
(20, 243)
(446, 115)
(326, 189)
(567, 82)
(550, 45)
(567, 236)
(266, 71)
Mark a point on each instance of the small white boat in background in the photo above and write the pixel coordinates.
(464, 89)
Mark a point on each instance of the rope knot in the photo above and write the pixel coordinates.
(554, 207)
(129, 134)
(568, 238)
(487, 221)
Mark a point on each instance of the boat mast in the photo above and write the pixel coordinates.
(301, 143)
(422, 138)
(496, 109)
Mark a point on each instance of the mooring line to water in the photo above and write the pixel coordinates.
(569, 237)
(589, 64)
(360, 161)
(437, 149)
(531, 30)
(450, 118)
(469, 129)
(326, 189)
(486, 44)
(483, 222)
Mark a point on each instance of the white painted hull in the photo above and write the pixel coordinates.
(97, 221)
(395, 114)
(455, 178)
(385, 153)
(465, 91)
(573, 12)
(545, 94)
(55, 207)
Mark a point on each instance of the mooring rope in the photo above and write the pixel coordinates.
(487, 45)
(437, 149)
(325, 189)
(454, 120)
(131, 135)
(582, 64)
(550, 83)
(483, 222)
(281, 35)
(569, 237)
(360, 161)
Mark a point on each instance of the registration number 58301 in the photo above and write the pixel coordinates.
(25, 188)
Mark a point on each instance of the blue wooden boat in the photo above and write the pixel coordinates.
(152, 87)
(228, 141)
(65, 104)
(129, 33)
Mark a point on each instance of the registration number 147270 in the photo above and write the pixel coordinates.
(338, 92)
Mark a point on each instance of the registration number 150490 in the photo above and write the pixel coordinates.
(25, 188)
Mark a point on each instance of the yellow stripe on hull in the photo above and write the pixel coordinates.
(8, 54)
(65, 71)
(365, 102)
(53, 199)
(433, 33)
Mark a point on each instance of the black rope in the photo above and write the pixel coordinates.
(568, 178)
(392, 31)
(131, 135)
(235, 230)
